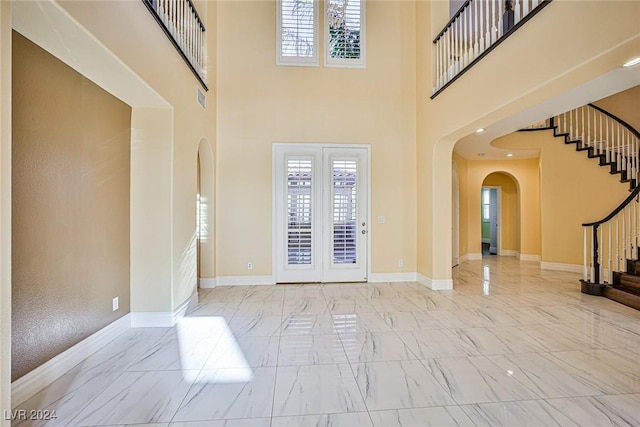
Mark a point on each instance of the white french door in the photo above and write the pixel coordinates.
(321, 213)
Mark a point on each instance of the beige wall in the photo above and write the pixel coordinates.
(5, 209)
(70, 207)
(260, 103)
(573, 190)
(520, 212)
(168, 125)
(624, 105)
(532, 76)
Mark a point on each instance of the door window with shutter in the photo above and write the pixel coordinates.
(321, 213)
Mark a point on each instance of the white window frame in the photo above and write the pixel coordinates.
(346, 62)
(279, 150)
(302, 61)
(486, 205)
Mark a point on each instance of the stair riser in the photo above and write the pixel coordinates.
(622, 297)
(630, 281)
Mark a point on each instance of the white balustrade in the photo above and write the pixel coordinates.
(182, 23)
(474, 28)
(618, 145)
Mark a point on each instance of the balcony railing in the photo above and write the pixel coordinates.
(183, 26)
(477, 28)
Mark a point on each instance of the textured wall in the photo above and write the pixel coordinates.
(70, 207)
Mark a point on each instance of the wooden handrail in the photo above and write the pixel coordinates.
(618, 119)
(453, 18)
(525, 19)
(617, 210)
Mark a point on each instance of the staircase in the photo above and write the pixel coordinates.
(611, 265)
(604, 137)
(625, 288)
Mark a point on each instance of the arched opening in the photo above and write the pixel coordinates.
(500, 215)
(204, 216)
(455, 215)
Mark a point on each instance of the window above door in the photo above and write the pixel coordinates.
(344, 33)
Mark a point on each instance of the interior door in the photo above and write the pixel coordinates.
(321, 213)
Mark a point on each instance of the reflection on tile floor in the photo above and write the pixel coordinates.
(510, 345)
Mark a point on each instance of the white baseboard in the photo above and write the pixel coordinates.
(245, 280)
(529, 257)
(208, 283)
(509, 252)
(392, 277)
(435, 284)
(27, 386)
(161, 319)
(572, 268)
(470, 257)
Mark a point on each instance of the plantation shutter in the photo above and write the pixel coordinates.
(299, 211)
(297, 24)
(345, 33)
(344, 211)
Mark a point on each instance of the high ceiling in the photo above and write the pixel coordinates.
(617, 92)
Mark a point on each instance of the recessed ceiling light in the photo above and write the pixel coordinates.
(509, 154)
(480, 130)
(632, 62)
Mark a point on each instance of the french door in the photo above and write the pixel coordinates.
(321, 213)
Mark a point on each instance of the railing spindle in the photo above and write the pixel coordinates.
(180, 21)
(617, 244)
(584, 253)
(586, 142)
(591, 257)
(476, 31)
(599, 271)
(609, 254)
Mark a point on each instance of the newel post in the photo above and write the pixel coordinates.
(508, 17)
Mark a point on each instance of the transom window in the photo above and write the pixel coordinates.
(297, 32)
(344, 35)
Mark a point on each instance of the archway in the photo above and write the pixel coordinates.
(455, 215)
(500, 214)
(205, 217)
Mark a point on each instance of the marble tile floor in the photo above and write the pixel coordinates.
(510, 345)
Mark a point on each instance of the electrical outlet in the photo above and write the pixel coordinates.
(381, 220)
(249, 265)
(115, 304)
(400, 263)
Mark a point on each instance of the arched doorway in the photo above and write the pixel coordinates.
(455, 215)
(500, 215)
(205, 216)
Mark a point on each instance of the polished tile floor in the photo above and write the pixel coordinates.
(510, 345)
